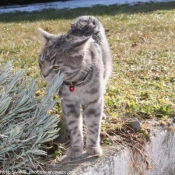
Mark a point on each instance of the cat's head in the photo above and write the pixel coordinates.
(63, 53)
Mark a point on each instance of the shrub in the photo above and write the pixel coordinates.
(25, 125)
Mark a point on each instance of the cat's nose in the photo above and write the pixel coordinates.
(44, 76)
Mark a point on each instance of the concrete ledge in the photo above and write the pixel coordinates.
(118, 160)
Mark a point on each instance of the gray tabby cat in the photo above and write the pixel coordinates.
(84, 57)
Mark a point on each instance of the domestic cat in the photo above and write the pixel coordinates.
(83, 55)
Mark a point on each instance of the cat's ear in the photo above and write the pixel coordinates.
(46, 37)
(76, 42)
(73, 42)
(80, 42)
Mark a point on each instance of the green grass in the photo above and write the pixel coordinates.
(142, 42)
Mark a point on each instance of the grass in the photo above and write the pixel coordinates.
(142, 42)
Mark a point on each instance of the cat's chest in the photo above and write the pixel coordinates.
(72, 91)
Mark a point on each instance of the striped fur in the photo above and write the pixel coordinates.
(82, 54)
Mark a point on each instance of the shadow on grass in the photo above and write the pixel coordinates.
(52, 14)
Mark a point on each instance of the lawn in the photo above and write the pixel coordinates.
(142, 41)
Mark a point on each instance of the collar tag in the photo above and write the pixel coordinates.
(71, 88)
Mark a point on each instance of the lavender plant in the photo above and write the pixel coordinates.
(25, 125)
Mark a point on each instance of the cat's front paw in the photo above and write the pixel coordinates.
(94, 150)
(73, 152)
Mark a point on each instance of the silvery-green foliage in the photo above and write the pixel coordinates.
(24, 121)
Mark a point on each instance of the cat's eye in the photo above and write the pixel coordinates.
(41, 62)
(56, 67)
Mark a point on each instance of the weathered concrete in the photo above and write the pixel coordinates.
(119, 160)
(162, 151)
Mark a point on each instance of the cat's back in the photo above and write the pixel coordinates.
(86, 26)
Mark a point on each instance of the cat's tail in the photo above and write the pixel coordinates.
(87, 26)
